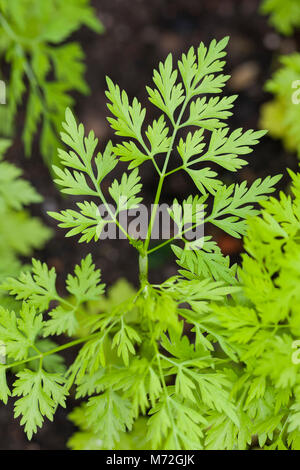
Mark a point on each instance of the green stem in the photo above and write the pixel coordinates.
(162, 378)
(143, 267)
(40, 356)
(5, 25)
(175, 170)
(153, 215)
(166, 242)
(163, 174)
(141, 141)
(68, 304)
(101, 196)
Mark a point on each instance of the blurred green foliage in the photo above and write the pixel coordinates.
(40, 64)
(281, 116)
(20, 233)
(284, 14)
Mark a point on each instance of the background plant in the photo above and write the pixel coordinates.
(20, 233)
(281, 114)
(284, 16)
(43, 66)
(136, 364)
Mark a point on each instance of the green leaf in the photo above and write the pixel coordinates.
(234, 202)
(157, 134)
(124, 340)
(193, 145)
(85, 285)
(129, 152)
(209, 114)
(88, 222)
(129, 117)
(105, 163)
(4, 390)
(61, 321)
(167, 95)
(223, 148)
(175, 425)
(205, 180)
(38, 286)
(41, 393)
(109, 415)
(124, 193)
(73, 182)
(18, 334)
(283, 17)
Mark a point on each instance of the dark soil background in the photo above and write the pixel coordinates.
(140, 33)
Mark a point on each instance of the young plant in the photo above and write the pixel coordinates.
(263, 326)
(33, 37)
(148, 367)
(20, 233)
(284, 16)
